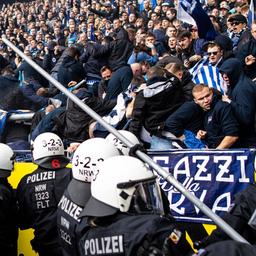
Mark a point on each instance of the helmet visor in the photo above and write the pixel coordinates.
(147, 198)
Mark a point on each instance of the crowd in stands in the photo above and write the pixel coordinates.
(141, 69)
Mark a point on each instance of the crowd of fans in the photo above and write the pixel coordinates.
(141, 69)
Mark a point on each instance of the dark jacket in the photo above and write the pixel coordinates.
(187, 85)
(70, 70)
(38, 206)
(29, 73)
(111, 15)
(189, 116)
(231, 248)
(117, 51)
(238, 217)
(248, 48)
(7, 84)
(119, 82)
(155, 103)
(219, 122)
(242, 92)
(74, 122)
(8, 219)
(50, 61)
(92, 65)
(34, 101)
(187, 53)
(134, 234)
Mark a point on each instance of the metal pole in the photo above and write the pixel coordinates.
(21, 117)
(166, 175)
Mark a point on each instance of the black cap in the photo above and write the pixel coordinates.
(238, 17)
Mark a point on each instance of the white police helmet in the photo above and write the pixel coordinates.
(6, 160)
(119, 144)
(48, 146)
(89, 155)
(123, 183)
(85, 164)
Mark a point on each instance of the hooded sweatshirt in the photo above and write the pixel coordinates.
(242, 92)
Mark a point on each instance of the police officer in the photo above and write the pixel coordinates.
(241, 216)
(38, 193)
(125, 213)
(229, 247)
(8, 209)
(84, 164)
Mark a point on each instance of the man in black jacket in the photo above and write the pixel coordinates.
(110, 13)
(241, 96)
(160, 98)
(8, 82)
(71, 69)
(220, 127)
(116, 51)
(247, 54)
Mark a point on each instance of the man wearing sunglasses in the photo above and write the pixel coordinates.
(214, 53)
(239, 32)
(247, 54)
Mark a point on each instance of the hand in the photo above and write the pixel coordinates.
(72, 83)
(249, 60)
(149, 45)
(72, 147)
(42, 91)
(201, 134)
(195, 58)
(49, 108)
(225, 98)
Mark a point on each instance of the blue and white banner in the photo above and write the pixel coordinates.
(251, 14)
(193, 8)
(204, 73)
(212, 176)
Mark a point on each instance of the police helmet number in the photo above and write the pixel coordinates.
(52, 143)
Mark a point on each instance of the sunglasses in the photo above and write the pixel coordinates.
(212, 53)
(234, 23)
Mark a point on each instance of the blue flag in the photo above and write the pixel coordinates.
(92, 35)
(204, 73)
(251, 14)
(141, 5)
(154, 4)
(205, 27)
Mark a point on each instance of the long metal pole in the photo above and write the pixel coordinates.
(166, 175)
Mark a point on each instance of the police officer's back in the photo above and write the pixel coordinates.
(124, 213)
(8, 209)
(85, 162)
(38, 193)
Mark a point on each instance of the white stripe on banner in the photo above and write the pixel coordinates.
(251, 14)
(183, 16)
(209, 75)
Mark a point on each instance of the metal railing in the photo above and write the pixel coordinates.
(144, 157)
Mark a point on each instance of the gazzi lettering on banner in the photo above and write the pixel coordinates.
(212, 176)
